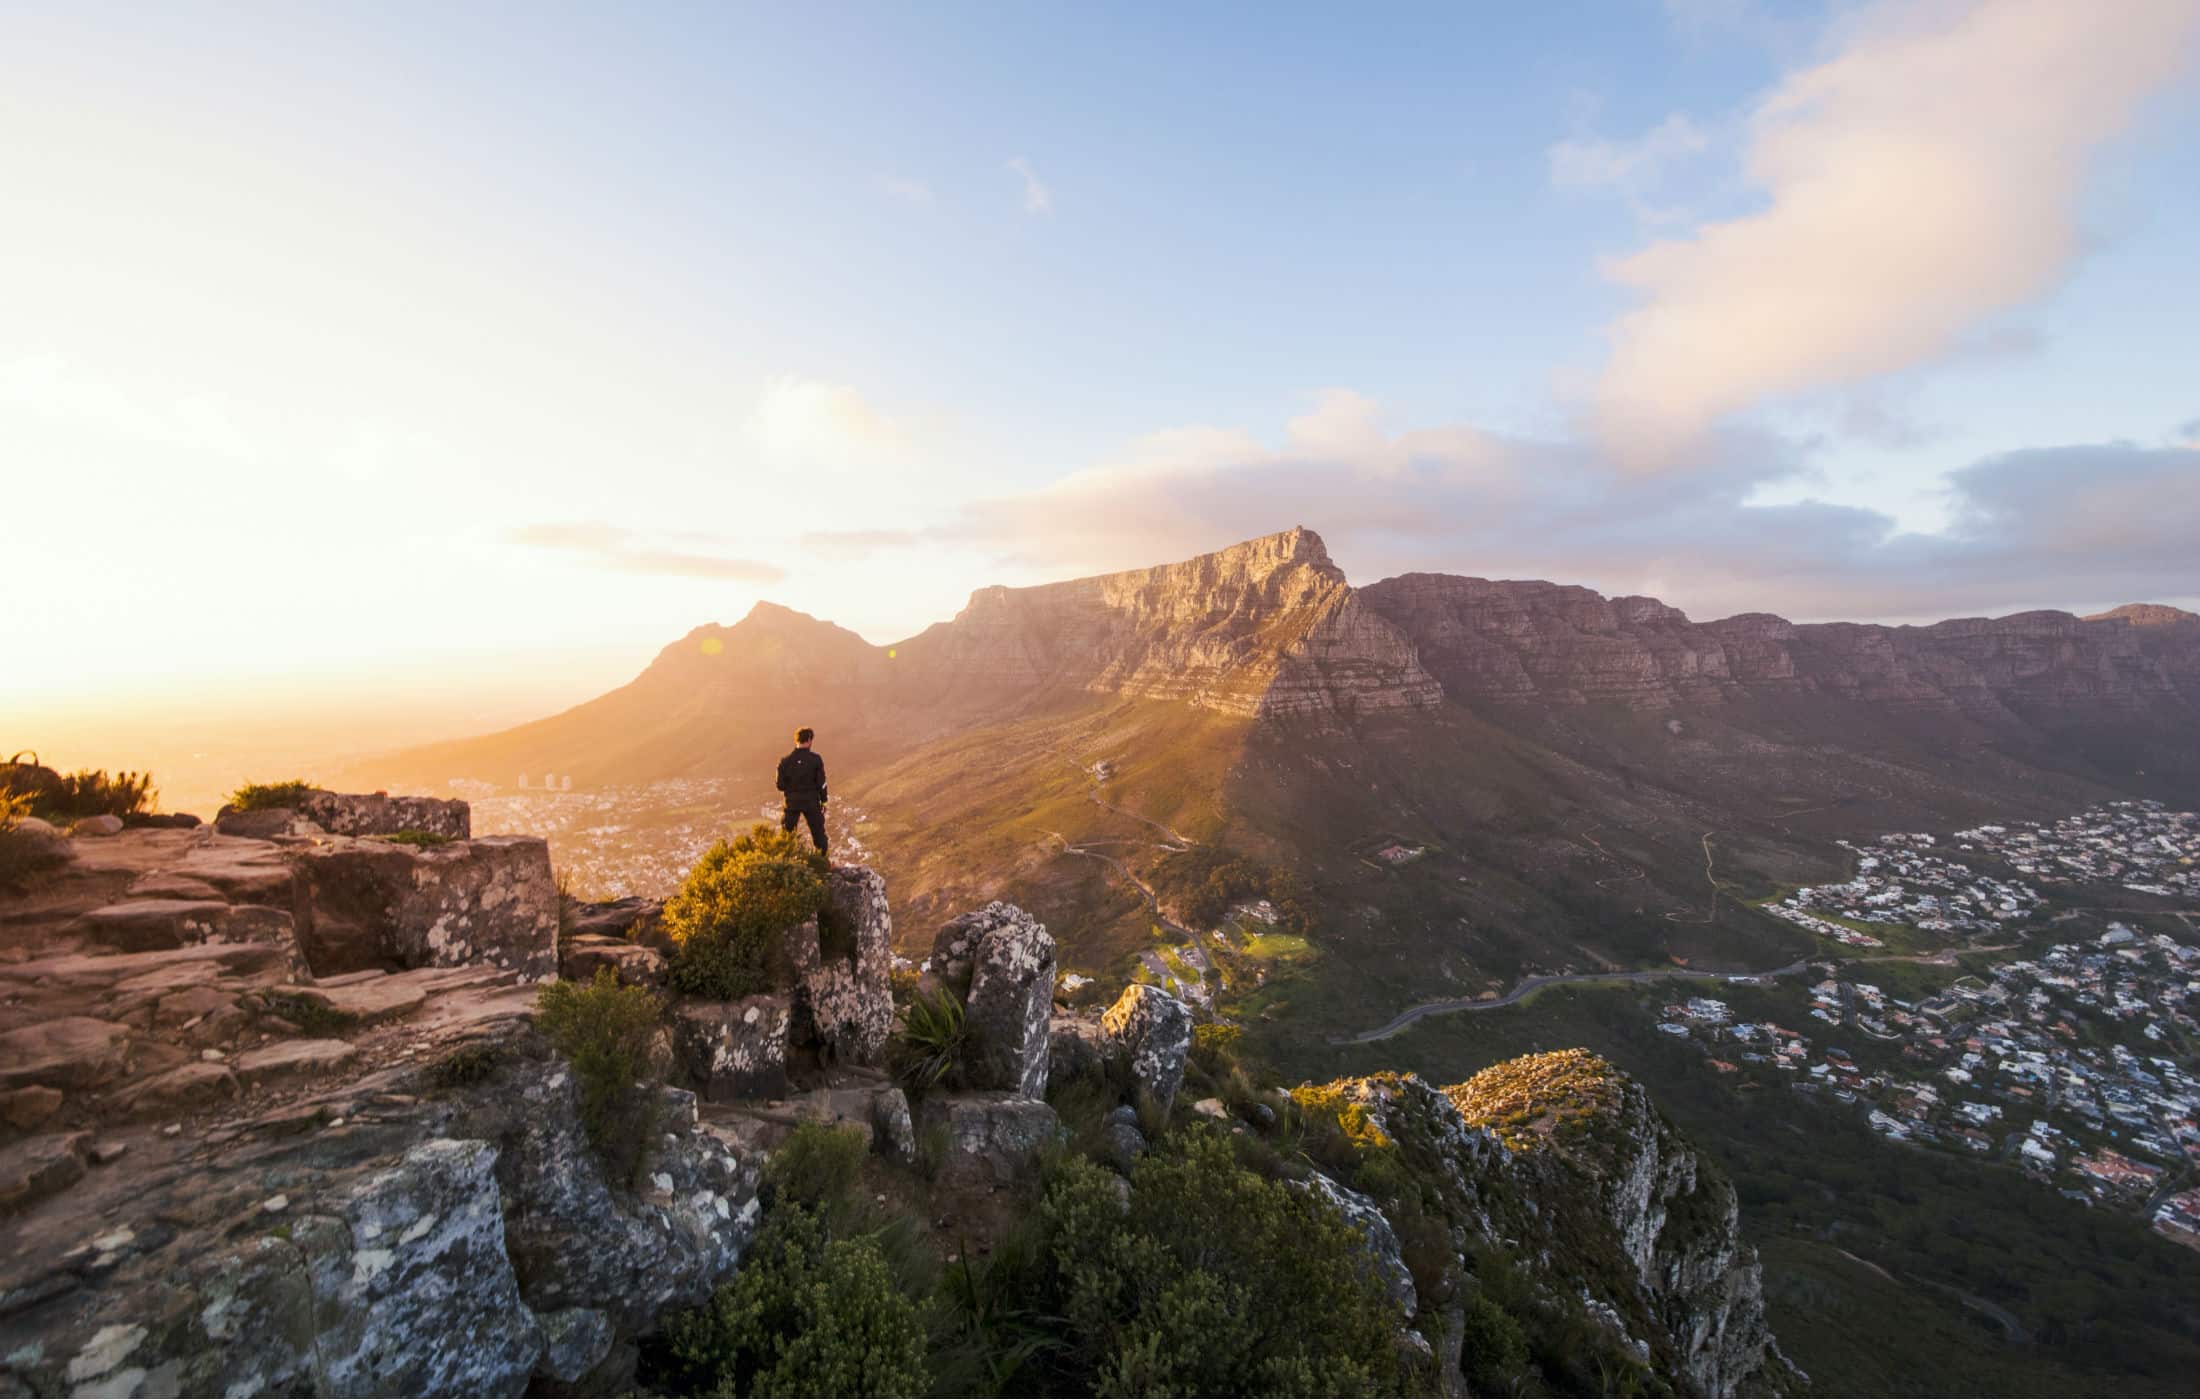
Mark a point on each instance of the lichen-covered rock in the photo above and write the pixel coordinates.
(575, 1241)
(892, 1129)
(265, 823)
(362, 903)
(1384, 1255)
(379, 814)
(574, 1342)
(1151, 1032)
(843, 964)
(986, 1139)
(734, 1049)
(424, 1300)
(106, 824)
(1075, 1046)
(35, 1168)
(1009, 1003)
(633, 918)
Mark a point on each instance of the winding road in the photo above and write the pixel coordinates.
(1529, 985)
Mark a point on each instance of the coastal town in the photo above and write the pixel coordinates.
(2072, 1059)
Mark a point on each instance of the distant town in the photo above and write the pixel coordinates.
(2073, 1061)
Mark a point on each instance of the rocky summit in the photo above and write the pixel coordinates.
(297, 1115)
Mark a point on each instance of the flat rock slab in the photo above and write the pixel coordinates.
(68, 1052)
(142, 972)
(287, 1057)
(185, 1086)
(36, 1168)
(167, 884)
(246, 872)
(367, 1000)
(146, 925)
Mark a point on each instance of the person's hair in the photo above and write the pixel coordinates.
(804, 734)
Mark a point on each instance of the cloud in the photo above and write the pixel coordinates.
(1924, 177)
(1037, 198)
(2075, 525)
(844, 546)
(911, 191)
(806, 423)
(625, 551)
(1632, 169)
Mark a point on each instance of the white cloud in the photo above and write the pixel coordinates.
(1923, 178)
(1037, 198)
(1630, 168)
(907, 190)
(802, 423)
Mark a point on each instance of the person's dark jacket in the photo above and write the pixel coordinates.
(802, 776)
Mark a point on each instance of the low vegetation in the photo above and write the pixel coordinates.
(1204, 883)
(1534, 1099)
(726, 919)
(425, 840)
(310, 1015)
(259, 797)
(609, 1033)
(24, 853)
(931, 1042)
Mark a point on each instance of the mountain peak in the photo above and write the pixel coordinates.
(2145, 615)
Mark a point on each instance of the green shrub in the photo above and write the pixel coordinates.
(1212, 1281)
(807, 1315)
(23, 854)
(90, 792)
(816, 1167)
(423, 839)
(609, 1033)
(934, 1037)
(257, 797)
(1493, 1348)
(469, 1062)
(310, 1014)
(726, 919)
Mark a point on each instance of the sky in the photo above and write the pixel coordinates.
(449, 360)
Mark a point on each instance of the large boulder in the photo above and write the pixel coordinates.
(364, 903)
(1385, 1259)
(1007, 993)
(843, 964)
(1076, 1047)
(633, 918)
(1150, 1032)
(67, 1052)
(379, 814)
(734, 1049)
(581, 957)
(985, 1139)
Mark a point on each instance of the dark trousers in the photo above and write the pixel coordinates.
(808, 809)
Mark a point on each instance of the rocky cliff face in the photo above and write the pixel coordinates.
(1552, 644)
(1268, 627)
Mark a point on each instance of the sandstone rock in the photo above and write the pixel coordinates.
(265, 823)
(102, 825)
(843, 965)
(162, 821)
(1076, 1046)
(580, 956)
(1384, 1255)
(986, 1138)
(378, 997)
(365, 903)
(68, 1052)
(36, 1168)
(1152, 1032)
(28, 1108)
(734, 1049)
(287, 1057)
(893, 1131)
(242, 872)
(1011, 1000)
(145, 925)
(185, 1086)
(635, 919)
(378, 814)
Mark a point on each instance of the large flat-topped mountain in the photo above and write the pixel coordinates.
(1553, 644)
(1268, 627)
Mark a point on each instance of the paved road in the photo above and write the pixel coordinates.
(1528, 985)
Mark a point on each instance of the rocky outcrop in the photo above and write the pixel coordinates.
(322, 813)
(364, 903)
(1151, 1033)
(1386, 1259)
(384, 1243)
(986, 1138)
(1000, 962)
(1264, 628)
(843, 993)
(1564, 1162)
(734, 1049)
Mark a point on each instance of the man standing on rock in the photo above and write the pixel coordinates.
(802, 783)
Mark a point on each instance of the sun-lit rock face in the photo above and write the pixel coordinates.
(1267, 627)
(1545, 643)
